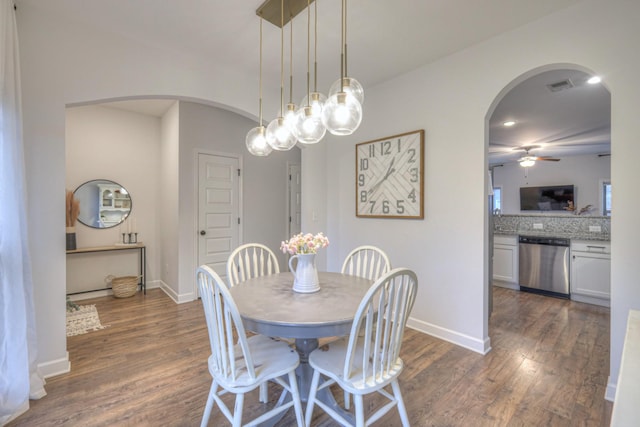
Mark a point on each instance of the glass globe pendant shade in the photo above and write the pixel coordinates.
(342, 114)
(290, 118)
(309, 128)
(316, 100)
(350, 86)
(279, 135)
(257, 142)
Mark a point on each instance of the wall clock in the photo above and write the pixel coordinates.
(390, 177)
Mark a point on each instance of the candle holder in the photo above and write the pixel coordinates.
(123, 238)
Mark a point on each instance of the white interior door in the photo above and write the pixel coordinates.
(295, 203)
(218, 210)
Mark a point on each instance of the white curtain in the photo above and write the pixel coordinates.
(19, 379)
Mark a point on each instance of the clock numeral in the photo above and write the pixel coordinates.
(361, 179)
(412, 196)
(400, 207)
(385, 207)
(385, 148)
(364, 164)
(414, 174)
(412, 155)
(373, 205)
(399, 145)
(363, 196)
(372, 150)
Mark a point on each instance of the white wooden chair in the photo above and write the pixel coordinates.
(369, 359)
(246, 262)
(242, 366)
(369, 262)
(366, 261)
(250, 260)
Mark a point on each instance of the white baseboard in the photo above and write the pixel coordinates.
(591, 300)
(177, 298)
(610, 392)
(471, 343)
(506, 285)
(55, 367)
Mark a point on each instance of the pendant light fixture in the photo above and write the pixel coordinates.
(256, 140)
(342, 113)
(279, 135)
(309, 126)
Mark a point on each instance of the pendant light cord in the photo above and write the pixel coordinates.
(291, 59)
(342, 50)
(282, 58)
(260, 78)
(315, 46)
(344, 23)
(308, 54)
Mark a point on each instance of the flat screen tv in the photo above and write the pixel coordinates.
(547, 198)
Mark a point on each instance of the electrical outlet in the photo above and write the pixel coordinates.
(595, 228)
(537, 226)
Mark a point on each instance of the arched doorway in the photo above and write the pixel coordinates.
(560, 121)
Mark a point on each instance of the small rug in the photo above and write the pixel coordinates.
(82, 320)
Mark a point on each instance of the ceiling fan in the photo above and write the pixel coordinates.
(529, 160)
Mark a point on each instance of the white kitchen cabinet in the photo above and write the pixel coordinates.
(505, 260)
(591, 272)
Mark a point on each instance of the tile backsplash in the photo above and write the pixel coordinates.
(571, 226)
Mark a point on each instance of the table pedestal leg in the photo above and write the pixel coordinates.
(304, 371)
(305, 374)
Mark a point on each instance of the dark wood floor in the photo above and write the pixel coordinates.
(548, 367)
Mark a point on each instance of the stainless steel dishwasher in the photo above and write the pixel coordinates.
(544, 265)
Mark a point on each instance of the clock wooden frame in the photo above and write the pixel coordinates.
(390, 177)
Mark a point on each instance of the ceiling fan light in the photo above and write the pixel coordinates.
(342, 114)
(527, 162)
(256, 142)
(279, 135)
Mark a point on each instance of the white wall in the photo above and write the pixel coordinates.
(585, 172)
(169, 197)
(452, 99)
(63, 62)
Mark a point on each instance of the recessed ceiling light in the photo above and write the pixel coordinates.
(509, 123)
(594, 80)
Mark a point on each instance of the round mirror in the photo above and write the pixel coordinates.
(103, 203)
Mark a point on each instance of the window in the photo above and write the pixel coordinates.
(497, 199)
(606, 198)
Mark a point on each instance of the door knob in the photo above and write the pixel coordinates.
(202, 232)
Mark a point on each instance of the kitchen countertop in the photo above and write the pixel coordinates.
(573, 236)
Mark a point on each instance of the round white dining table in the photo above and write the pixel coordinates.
(269, 306)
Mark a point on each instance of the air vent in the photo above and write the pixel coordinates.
(561, 85)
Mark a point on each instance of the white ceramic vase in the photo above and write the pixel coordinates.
(305, 273)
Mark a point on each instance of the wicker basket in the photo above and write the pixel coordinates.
(125, 286)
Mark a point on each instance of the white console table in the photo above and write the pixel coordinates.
(137, 246)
